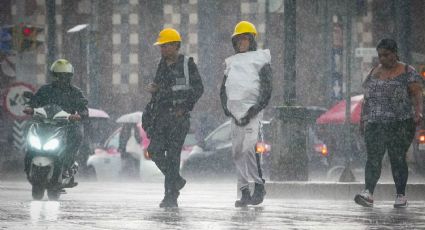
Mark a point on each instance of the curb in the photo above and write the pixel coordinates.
(338, 191)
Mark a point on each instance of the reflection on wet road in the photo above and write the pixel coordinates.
(202, 206)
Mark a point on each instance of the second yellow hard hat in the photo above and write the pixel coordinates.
(244, 27)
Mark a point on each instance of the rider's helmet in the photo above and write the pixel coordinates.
(62, 71)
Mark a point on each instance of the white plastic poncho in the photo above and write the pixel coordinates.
(243, 80)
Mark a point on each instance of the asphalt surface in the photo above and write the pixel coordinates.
(202, 205)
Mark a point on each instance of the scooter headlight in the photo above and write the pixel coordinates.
(51, 145)
(34, 142)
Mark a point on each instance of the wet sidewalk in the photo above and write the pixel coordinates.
(121, 206)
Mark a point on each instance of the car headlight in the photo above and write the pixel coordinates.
(51, 145)
(34, 142)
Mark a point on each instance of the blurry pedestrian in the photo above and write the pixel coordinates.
(129, 165)
(245, 92)
(175, 90)
(392, 108)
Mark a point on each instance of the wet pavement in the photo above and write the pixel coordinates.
(202, 205)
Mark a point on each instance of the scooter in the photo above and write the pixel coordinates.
(46, 152)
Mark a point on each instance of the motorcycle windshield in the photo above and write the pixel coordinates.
(51, 114)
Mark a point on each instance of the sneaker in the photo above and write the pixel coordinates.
(245, 199)
(400, 201)
(364, 198)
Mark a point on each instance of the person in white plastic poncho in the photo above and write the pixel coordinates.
(244, 93)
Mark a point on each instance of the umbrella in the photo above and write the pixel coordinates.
(97, 113)
(336, 114)
(135, 117)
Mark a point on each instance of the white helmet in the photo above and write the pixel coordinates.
(62, 66)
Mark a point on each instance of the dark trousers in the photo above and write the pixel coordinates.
(166, 145)
(394, 137)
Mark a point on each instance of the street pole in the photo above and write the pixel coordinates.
(267, 18)
(51, 35)
(93, 63)
(347, 175)
(290, 159)
(20, 62)
(290, 52)
(403, 31)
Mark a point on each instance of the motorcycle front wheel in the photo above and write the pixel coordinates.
(37, 191)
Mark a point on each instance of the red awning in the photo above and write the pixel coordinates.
(336, 114)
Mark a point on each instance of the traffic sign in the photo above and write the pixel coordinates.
(14, 101)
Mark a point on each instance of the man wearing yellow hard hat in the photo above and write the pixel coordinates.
(176, 88)
(245, 92)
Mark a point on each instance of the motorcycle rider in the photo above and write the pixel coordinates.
(175, 90)
(70, 98)
(245, 92)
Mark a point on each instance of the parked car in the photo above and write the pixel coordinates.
(96, 130)
(418, 145)
(106, 161)
(317, 150)
(213, 156)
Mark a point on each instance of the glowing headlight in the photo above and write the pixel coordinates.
(51, 145)
(34, 141)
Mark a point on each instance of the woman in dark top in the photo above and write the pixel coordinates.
(392, 108)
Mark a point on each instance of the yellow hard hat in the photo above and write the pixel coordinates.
(244, 27)
(62, 66)
(168, 35)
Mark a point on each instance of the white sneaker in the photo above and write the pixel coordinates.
(364, 198)
(400, 201)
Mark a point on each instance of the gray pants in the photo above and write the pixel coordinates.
(244, 140)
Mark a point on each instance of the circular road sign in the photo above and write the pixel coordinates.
(14, 101)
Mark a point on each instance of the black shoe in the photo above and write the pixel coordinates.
(71, 183)
(258, 195)
(245, 199)
(180, 183)
(168, 202)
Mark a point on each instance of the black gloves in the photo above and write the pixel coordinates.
(252, 112)
(243, 122)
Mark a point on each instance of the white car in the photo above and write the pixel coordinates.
(106, 162)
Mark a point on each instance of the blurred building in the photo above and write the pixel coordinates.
(120, 35)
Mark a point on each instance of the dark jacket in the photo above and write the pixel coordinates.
(167, 76)
(262, 101)
(70, 99)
